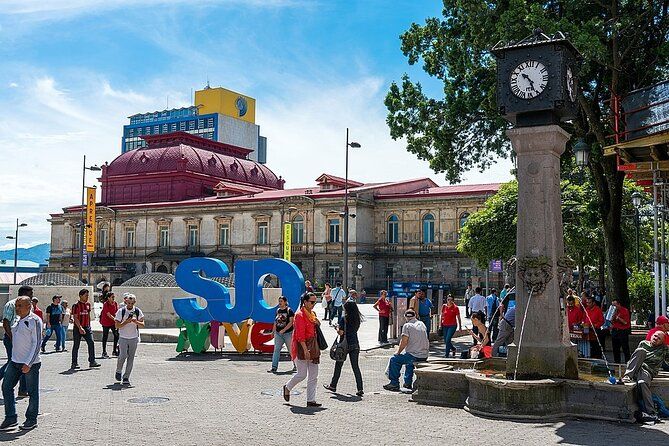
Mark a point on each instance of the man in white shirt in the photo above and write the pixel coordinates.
(128, 321)
(25, 361)
(477, 302)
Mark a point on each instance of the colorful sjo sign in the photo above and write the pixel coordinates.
(250, 313)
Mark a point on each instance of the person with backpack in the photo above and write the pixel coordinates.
(109, 310)
(81, 315)
(348, 327)
(128, 320)
(54, 318)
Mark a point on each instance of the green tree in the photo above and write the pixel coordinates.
(624, 44)
(490, 233)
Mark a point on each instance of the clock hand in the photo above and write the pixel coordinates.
(529, 79)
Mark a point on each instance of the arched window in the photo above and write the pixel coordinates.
(463, 219)
(428, 228)
(298, 229)
(393, 230)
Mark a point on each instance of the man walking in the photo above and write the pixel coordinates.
(128, 321)
(478, 304)
(81, 315)
(414, 347)
(469, 293)
(338, 296)
(9, 317)
(492, 303)
(24, 362)
(54, 318)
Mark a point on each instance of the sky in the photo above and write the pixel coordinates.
(74, 70)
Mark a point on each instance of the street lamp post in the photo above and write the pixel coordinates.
(637, 197)
(82, 223)
(354, 145)
(16, 246)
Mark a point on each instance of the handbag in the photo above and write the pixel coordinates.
(322, 343)
(339, 349)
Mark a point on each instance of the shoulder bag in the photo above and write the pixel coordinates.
(339, 349)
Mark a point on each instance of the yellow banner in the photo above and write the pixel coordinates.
(287, 240)
(90, 219)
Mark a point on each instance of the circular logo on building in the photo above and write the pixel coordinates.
(241, 105)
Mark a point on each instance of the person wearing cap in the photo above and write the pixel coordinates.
(644, 366)
(54, 318)
(128, 321)
(414, 347)
(81, 315)
(661, 324)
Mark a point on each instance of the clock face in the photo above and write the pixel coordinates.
(529, 79)
(570, 85)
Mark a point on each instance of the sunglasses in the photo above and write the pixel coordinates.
(312, 301)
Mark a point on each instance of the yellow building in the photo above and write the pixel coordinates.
(226, 102)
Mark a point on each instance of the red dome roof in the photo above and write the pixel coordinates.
(182, 156)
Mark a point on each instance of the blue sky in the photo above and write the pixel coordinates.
(73, 70)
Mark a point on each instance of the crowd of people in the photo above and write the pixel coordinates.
(28, 329)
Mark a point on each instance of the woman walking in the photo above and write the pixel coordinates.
(348, 327)
(304, 349)
(283, 331)
(384, 307)
(109, 309)
(450, 322)
(326, 298)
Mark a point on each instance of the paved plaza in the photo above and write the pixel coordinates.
(221, 399)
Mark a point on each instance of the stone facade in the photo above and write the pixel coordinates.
(232, 208)
(129, 237)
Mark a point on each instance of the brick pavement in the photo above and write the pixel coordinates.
(215, 399)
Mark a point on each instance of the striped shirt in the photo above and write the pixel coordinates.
(26, 340)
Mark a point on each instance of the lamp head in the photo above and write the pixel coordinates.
(354, 145)
(581, 153)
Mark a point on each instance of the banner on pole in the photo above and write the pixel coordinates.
(90, 219)
(287, 240)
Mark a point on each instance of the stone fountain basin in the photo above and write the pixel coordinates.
(480, 387)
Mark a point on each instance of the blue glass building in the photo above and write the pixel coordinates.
(184, 119)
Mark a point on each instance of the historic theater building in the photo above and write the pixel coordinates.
(184, 196)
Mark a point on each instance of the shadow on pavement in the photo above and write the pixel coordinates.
(576, 432)
(115, 387)
(11, 435)
(301, 410)
(345, 398)
(73, 371)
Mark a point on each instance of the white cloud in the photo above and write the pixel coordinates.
(57, 9)
(13, 85)
(305, 123)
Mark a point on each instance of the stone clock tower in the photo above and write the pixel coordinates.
(536, 90)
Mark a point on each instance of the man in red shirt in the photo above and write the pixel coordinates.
(620, 331)
(37, 310)
(661, 324)
(593, 317)
(574, 313)
(81, 315)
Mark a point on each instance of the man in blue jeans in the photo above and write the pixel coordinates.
(9, 317)
(25, 362)
(414, 347)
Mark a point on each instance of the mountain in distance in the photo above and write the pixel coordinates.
(38, 253)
